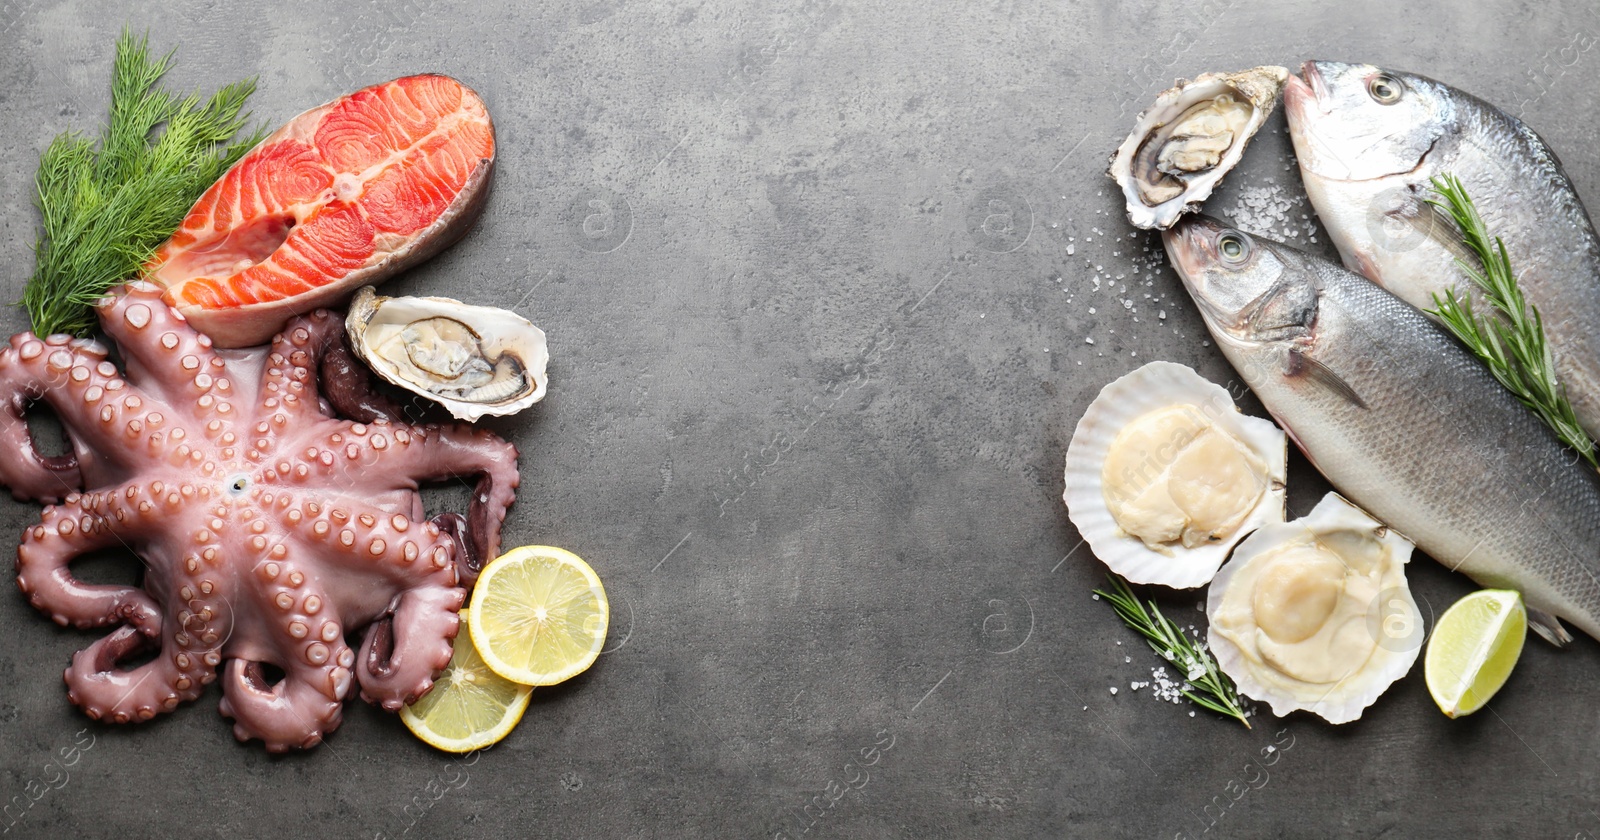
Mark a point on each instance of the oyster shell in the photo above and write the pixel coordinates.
(1164, 475)
(1194, 133)
(473, 360)
(1316, 614)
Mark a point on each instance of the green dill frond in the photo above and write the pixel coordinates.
(106, 206)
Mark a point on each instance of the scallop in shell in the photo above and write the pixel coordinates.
(1315, 614)
(473, 360)
(1194, 133)
(1164, 475)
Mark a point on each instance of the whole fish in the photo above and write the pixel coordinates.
(1369, 141)
(1402, 419)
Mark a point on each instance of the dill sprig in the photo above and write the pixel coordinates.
(1205, 684)
(107, 206)
(1512, 345)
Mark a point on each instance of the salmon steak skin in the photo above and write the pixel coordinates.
(344, 195)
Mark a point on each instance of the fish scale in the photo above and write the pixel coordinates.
(1441, 452)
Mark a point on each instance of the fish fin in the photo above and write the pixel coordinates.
(1321, 374)
(1435, 224)
(1548, 627)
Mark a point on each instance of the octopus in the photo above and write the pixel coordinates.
(273, 498)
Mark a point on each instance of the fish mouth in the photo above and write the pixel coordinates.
(1191, 248)
(1317, 84)
(1306, 97)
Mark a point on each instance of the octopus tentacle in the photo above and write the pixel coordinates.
(401, 653)
(160, 351)
(87, 393)
(436, 453)
(105, 692)
(296, 713)
(66, 533)
(469, 562)
(307, 703)
(311, 354)
(350, 533)
(190, 654)
(411, 641)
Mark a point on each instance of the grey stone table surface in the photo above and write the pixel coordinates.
(820, 279)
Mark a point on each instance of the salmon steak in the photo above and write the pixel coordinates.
(344, 195)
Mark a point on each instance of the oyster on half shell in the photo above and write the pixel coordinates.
(473, 360)
(1194, 133)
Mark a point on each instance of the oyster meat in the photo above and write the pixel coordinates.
(1316, 614)
(473, 360)
(1164, 475)
(1183, 144)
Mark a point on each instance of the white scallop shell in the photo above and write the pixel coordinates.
(1349, 697)
(1154, 386)
(1261, 86)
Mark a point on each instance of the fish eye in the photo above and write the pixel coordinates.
(1233, 247)
(1385, 89)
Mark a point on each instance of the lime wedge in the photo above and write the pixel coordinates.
(1473, 649)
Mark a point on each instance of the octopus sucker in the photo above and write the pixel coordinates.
(276, 523)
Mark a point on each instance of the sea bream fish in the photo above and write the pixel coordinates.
(1402, 419)
(1369, 141)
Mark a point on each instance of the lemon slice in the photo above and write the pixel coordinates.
(539, 615)
(470, 706)
(1473, 649)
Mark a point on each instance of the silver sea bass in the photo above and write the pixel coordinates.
(1402, 419)
(1369, 141)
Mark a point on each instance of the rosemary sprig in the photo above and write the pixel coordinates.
(1511, 344)
(105, 209)
(1212, 689)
